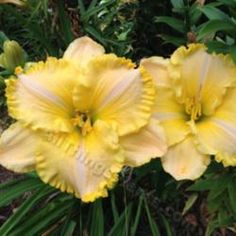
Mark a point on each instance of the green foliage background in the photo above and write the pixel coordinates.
(146, 201)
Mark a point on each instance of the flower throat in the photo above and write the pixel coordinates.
(83, 122)
(193, 108)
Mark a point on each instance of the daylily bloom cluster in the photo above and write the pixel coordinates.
(196, 106)
(80, 119)
(83, 117)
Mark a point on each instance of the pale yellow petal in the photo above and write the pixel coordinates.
(42, 96)
(201, 76)
(82, 50)
(158, 68)
(116, 93)
(171, 115)
(217, 135)
(16, 2)
(142, 146)
(18, 146)
(184, 161)
(85, 166)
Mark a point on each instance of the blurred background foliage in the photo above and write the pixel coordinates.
(146, 201)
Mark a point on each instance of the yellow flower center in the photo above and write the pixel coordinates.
(193, 108)
(82, 120)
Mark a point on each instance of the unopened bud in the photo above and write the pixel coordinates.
(13, 55)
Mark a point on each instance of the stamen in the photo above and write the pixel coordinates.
(193, 108)
(83, 122)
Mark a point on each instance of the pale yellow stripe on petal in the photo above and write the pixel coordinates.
(98, 80)
(42, 97)
(132, 109)
(116, 93)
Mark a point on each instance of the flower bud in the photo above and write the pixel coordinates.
(13, 55)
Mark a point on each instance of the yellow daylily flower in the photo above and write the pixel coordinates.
(80, 119)
(195, 105)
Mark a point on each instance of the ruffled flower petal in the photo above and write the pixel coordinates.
(41, 97)
(85, 166)
(158, 69)
(183, 161)
(116, 93)
(141, 147)
(18, 147)
(82, 50)
(171, 115)
(217, 135)
(201, 77)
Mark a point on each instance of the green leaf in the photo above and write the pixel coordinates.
(19, 187)
(70, 224)
(97, 220)
(213, 13)
(218, 47)
(114, 208)
(94, 10)
(212, 225)
(232, 194)
(65, 23)
(43, 219)
(3, 38)
(219, 187)
(194, 14)
(177, 41)
(25, 207)
(172, 22)
(213, 26)
(121, 227)
(177, 3)
(215, 203)
(136, 221)
(202, 185)
(229, 3)
(92, 4)
(191, 200)
(224, 218)
(70, 227)
(81, 8)
(153, 226)
(233, 52)
(97, 35)
(169, 231)
(9, 183)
